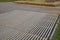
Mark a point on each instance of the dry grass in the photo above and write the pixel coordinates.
(38, 3)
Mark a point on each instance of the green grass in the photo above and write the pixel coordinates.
(23, 0)
(57, 33)
(7, 0)
(34, 0)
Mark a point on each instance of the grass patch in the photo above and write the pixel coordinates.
(39, 0)
(57, 32)
(7, 0)
(21, 0)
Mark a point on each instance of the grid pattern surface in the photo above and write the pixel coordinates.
(24, 25)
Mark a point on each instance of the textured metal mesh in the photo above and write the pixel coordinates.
(24, 25)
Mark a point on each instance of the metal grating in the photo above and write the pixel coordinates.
(39, 25)
(41, 31)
